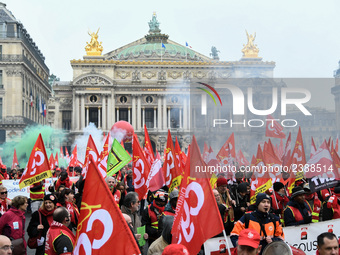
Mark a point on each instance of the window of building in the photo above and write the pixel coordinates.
(2, 136)
(149, 118)
(0, 108)
(123, 99)
(66, 120)
(123, 114)
(10, 30)
(149, 99)
(1, 84)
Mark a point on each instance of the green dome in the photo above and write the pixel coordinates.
(154, 51)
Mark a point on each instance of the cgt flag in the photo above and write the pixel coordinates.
(101, 228)
(274, 129)
(118, 157)
(37, 168)
(197, 216)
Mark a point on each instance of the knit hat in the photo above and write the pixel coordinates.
(221, 181)
(51, 198)
(278, 185)
(175, 249)
(262, 196)
(249, 237)
(242, 187)
(298, 191)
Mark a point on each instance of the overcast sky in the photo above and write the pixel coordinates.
(302, 37)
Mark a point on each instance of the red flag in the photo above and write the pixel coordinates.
(141, 168)
(287, 151)
(56, 160)
(147, 147)
(74, 157)
(67, 155)
(337, 145)
(273, 128)
(298, 158)
(102, 162)
(241, 159)
(280, 150)
(180, 156)
(170, 165)
(205, 152)
(61, 152)
(312, 148)
(227, 153)
(15, 160)
(102, 229)
(155, 179)
(51, 161)
(37, 167)
(91, 149)
(273, 163)
(197, 216)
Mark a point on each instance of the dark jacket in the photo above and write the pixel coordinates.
(290, 218)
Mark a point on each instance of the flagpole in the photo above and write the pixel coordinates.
(226, 240)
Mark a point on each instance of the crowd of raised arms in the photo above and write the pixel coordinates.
(251, 227)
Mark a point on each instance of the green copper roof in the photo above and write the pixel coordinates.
(148, 49)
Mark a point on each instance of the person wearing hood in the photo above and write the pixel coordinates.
(266, 224)
(279, 199)
(12, 224)
(331, 207)
(41, 221)
(151, 215)
(298, 210)
(164, 240)
(242, 202)
(64, 180)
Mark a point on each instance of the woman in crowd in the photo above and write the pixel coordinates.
(66, 199)
(12, 224)
(5, 202)
(41, 221)
(121, 188)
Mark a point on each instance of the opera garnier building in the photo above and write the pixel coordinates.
(152, 81)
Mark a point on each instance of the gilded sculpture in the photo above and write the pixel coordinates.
(94, 48)
(250, 50)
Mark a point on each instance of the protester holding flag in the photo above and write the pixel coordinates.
(265, 223)
(279, 199)
(12, 224)
(5, 202)
(41, 221)
(37, 193)
(59, 238)
(64, 180)
(242, 201)
(151, 215)
(298, 210)
(331, 207)
(66, 199)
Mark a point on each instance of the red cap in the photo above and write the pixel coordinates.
(221, 181)
(249, 237)
(175, 249)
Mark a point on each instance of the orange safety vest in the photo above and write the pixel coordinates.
(153, 217)
(316, 209)
(39, 194)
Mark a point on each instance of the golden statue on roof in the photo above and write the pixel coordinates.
(250, 50)
(94, 48)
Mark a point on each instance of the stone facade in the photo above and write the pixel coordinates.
(22, 73)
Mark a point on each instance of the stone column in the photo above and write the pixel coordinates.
(164, 114)
(180, 117)
(104, 112)
(99, 119)
(109, 114)
(77, 116)
(133, 112)
(117, 114)
(87, 116)
(169, 120)
(154, 117)
(143, 117)
(159, 124)
(129, 114)
(82, 112)
(185, 113)
(139, 113)
(113, 107)
(73, 127)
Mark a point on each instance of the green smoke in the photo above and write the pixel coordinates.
(53, 139)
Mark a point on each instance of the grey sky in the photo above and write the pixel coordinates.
(302, 37)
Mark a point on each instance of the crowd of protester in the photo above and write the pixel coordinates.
(55, 213)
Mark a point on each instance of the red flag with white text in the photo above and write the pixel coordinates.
(141, 168)
(197, 216)
(273, 128)
(51, 162)
(147, 147)
(91, 149)
(74, 158)
(227, 154)
(37, 168)
(102, 229)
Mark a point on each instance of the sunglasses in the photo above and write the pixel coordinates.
(3, 193)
